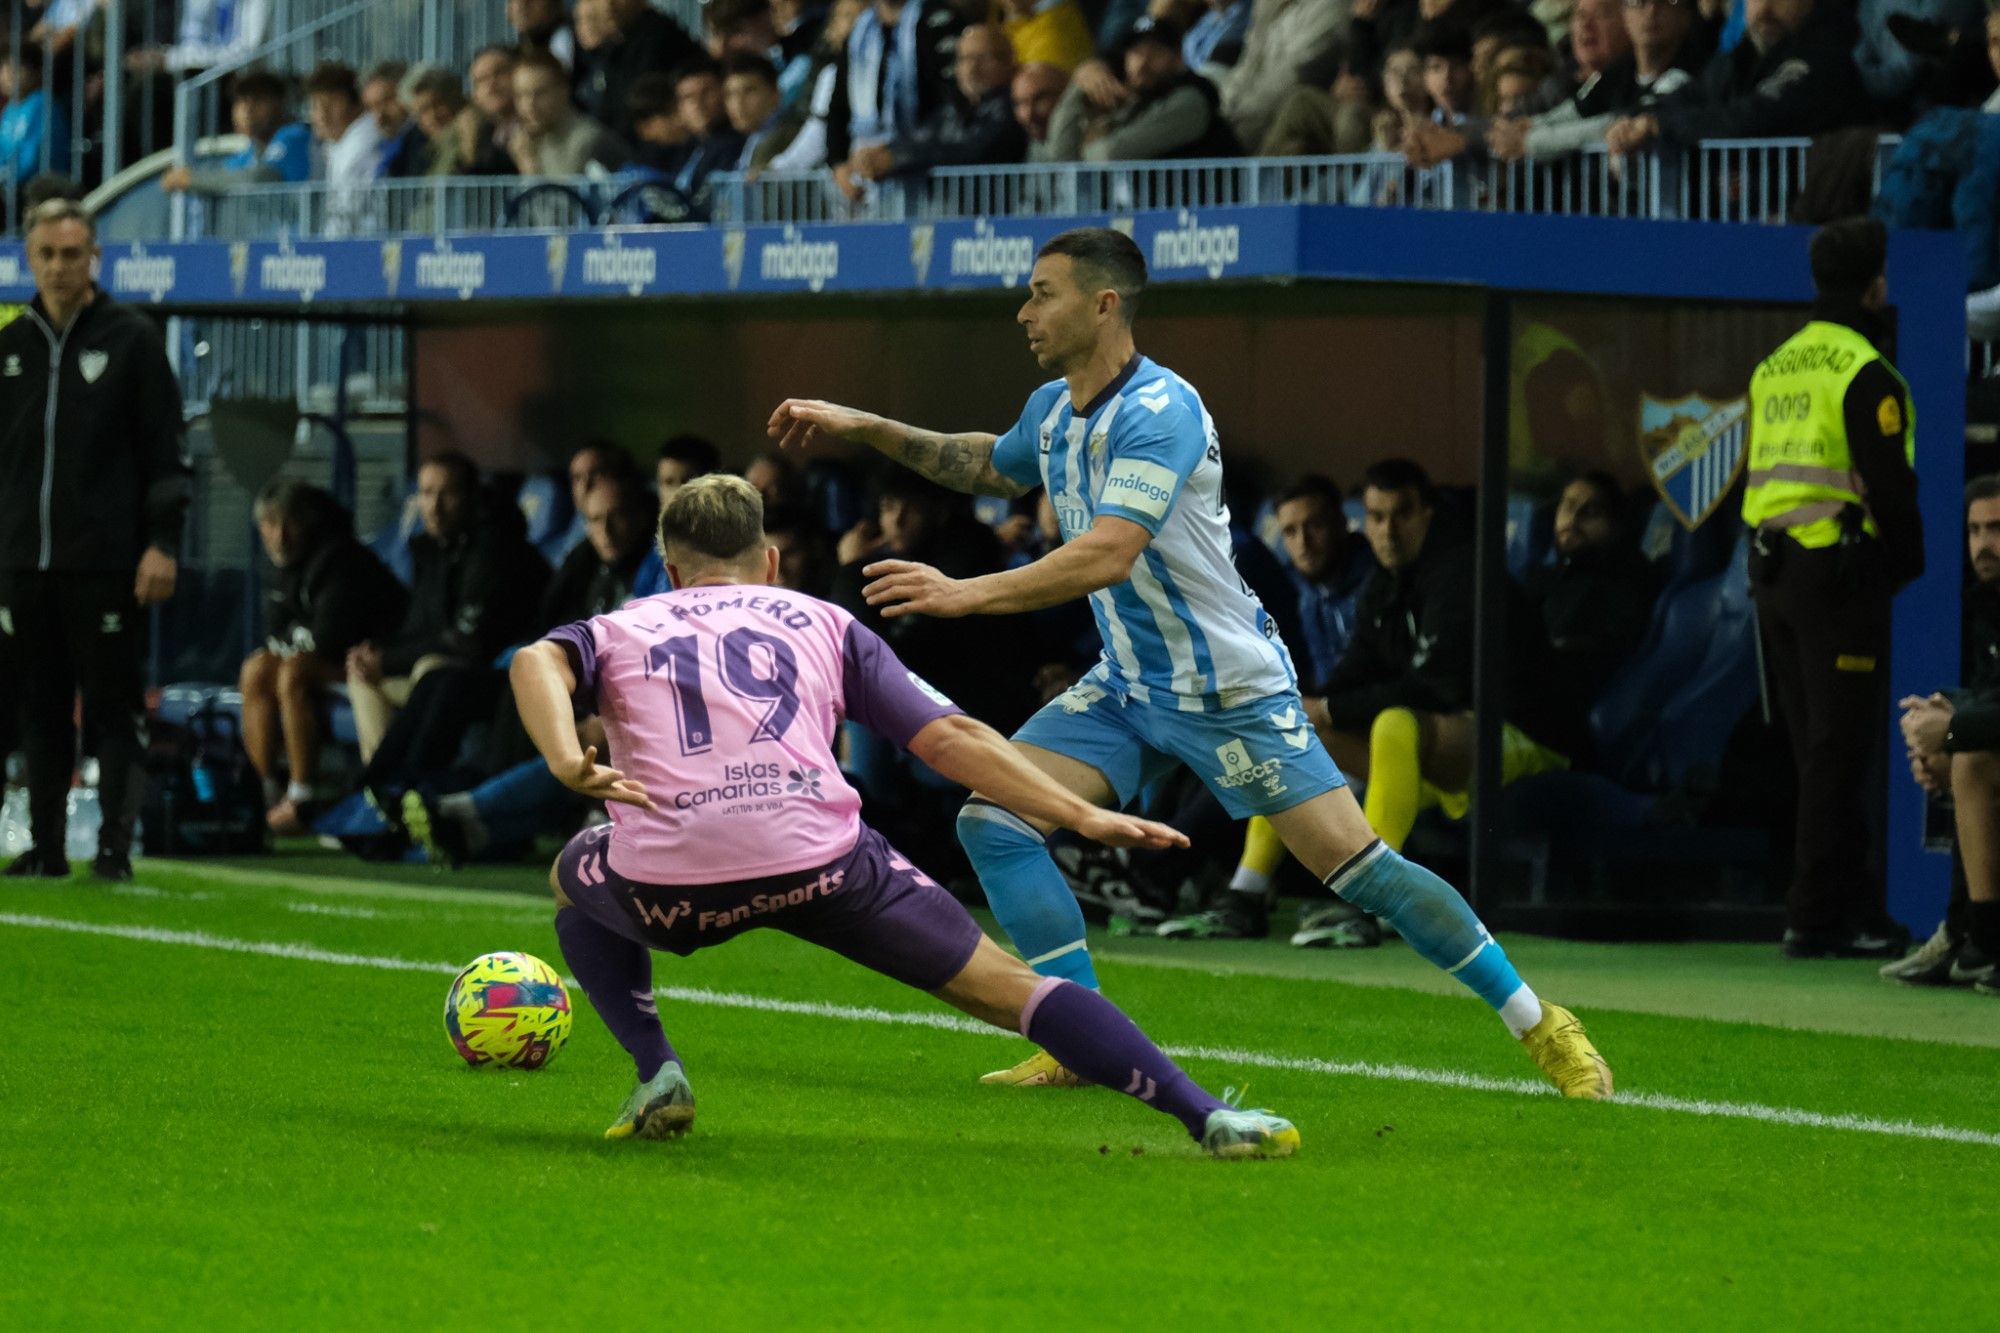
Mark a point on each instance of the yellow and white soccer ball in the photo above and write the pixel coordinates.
(507, 1009)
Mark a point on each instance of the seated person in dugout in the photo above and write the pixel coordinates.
(330, 594)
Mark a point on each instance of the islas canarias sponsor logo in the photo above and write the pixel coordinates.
(444, 269)
(1189, 245)
(138, 273)
(667, 915)
(989, 253)
(752, 781)
(616, 264)
(796, 259)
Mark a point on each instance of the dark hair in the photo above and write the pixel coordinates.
(701, 67)
(1447, 40)
(387, 71)
(535, 58)
(313, 511)
(749, 62)
(650, 95)
(1509, 21)
(1848, 255)
(789, 518)
(724, 16)
(1105, 258)
(700, 454)
(461, 468)
(1982, 488)
(1609, 493)
(333, 78)
(441, 84)
(28, 58)
(612, 457)
(1401, 474)
(258, 85)
(1312, 486)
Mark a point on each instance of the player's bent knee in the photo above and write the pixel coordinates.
(258, 675)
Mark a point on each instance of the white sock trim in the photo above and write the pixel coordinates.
(1359, 862)
(298, 791)
(993, 814)
(1071, 947)
(1459, 966)
(1521, 1011)
(1246, 880)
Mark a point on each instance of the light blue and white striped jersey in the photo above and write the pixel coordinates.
(1184, 631)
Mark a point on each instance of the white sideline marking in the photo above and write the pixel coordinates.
(325, 909)
(1443, 1078)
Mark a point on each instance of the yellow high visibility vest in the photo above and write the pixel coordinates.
(1801, 471)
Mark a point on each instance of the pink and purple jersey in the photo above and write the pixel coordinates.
(723, 703)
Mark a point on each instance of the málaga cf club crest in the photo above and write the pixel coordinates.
(1694, 450)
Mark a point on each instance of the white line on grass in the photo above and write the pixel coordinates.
(1443, 1078)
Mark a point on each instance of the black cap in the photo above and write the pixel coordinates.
(1163, 32)
(1449, 40)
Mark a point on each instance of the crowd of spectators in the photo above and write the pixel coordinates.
(871, 92)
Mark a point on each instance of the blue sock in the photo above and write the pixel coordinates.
(1027, 893)
(1437, 923)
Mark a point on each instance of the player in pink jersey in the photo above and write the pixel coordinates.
(720, 701)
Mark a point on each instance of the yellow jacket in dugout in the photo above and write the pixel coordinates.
(1802, 464)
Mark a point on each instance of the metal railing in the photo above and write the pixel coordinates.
(1751, 181)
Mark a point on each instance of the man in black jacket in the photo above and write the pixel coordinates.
(1792, 74)
(474, 589)
(1397, 709)
(330, 594)
(1954, 747)
(975, 128)
(94, 482)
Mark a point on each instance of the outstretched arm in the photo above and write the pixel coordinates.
(1098, 559)
(962, 462)
(543, 683)
(971, 753)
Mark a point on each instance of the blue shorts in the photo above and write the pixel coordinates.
(1258, 758)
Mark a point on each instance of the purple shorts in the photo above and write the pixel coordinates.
(871, 906)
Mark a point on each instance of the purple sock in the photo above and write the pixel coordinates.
(1094, 1038)
(617, 975)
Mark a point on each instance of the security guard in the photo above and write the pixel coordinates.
(1832, 505)
(94, 484)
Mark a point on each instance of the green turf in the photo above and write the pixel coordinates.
(196, 1137)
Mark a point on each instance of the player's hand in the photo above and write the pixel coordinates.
(155, 580)
(1114, 829)
(583, 776)
(904, 587)
(1932, 773)
(800, 423)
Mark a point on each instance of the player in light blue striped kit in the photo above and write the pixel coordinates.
(1193, 671)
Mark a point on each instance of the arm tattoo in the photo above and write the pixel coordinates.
(959, 462)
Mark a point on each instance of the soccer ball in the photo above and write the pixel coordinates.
(507, 1009)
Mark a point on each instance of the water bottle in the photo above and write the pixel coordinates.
(15, 837)
(86, 821)
(204, 782)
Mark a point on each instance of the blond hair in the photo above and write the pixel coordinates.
(716, 519)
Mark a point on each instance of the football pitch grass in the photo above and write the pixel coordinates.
(230, 1103)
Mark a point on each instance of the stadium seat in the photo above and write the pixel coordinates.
(1671, 709)
(553, 526)
(837, 497)
(392, 544)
